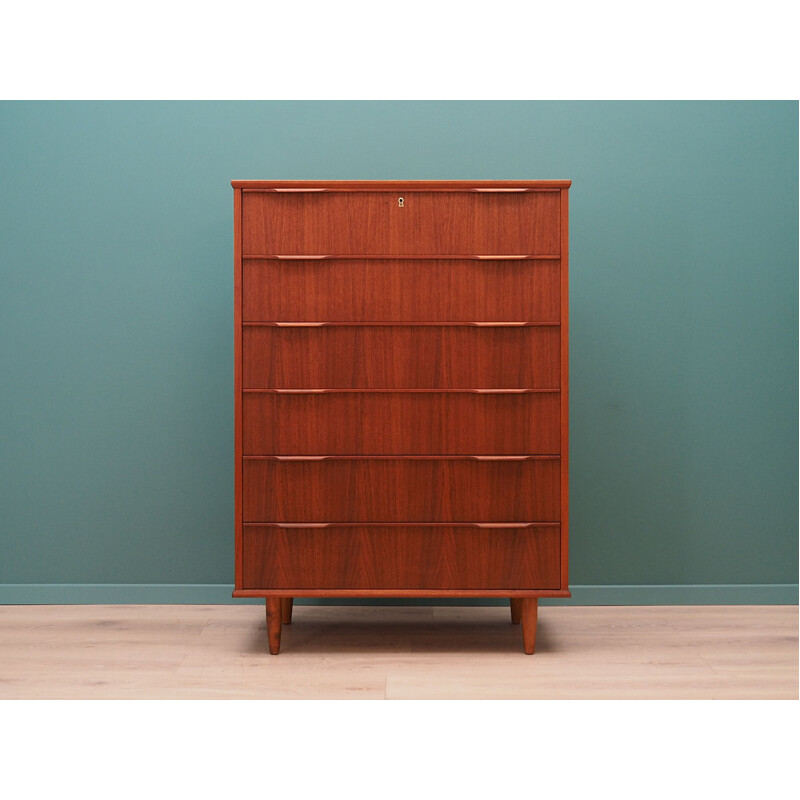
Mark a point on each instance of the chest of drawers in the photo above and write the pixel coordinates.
(401, 392)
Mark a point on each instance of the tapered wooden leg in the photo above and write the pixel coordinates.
(530, 615)
(274, 624)
(286, 609)
(516, 610)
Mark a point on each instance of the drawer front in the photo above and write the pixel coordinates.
(401, 357)
(401, 290)
(401, 557)
(401, 423)
(401, 490)
(429, 223)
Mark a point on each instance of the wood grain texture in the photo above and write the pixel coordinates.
(455, 223)
(401, 423)
(403, 290)
(401, 490)
(398, 557)
(410, 357)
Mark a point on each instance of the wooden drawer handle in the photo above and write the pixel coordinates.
(300, 458)
(301, 524)
(393, 324)
(500, 391)
(400, 524)
(401, 324)
(501, 458)
(503, 524)
(499, 258)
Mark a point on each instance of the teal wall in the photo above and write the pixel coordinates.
(116, 429)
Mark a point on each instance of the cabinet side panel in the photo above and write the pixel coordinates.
(237, 378)
(564, 388)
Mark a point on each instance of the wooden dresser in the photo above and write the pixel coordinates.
(401, 392)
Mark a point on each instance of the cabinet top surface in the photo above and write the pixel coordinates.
(407, 186)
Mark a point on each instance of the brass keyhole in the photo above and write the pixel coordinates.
(400, 202)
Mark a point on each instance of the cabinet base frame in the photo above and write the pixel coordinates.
(524, 610)
(431, 593)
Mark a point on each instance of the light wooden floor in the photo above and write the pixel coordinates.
(398, 653)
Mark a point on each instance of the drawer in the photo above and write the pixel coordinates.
(401, 557)
(401, 290)
(429, 223)
(411, 489)
(401, 423)
(401, 357)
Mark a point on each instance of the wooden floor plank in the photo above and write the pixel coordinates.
(398, 652)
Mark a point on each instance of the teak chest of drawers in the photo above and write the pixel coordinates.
(401, 392)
